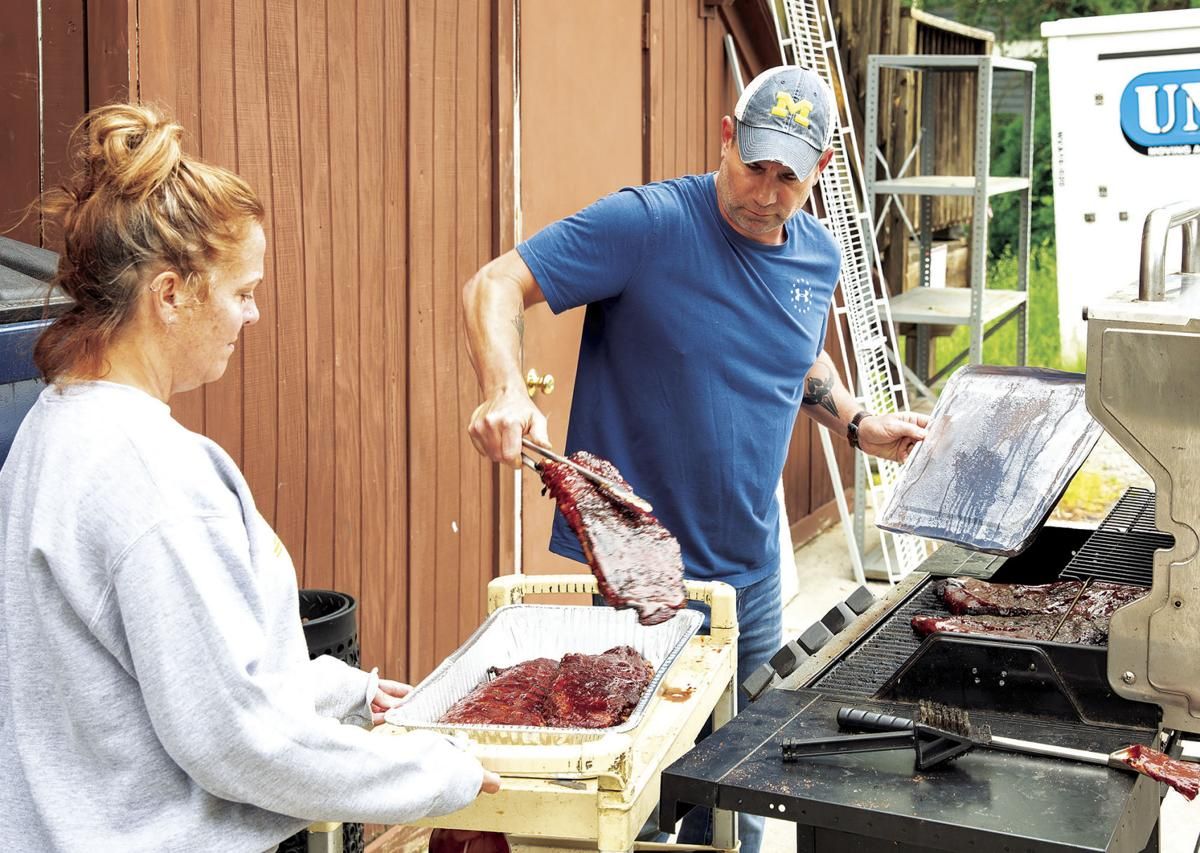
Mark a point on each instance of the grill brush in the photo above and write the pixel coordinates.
(941, 733)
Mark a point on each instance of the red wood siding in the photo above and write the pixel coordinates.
(347, 403)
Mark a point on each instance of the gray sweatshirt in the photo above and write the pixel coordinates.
(155, 687)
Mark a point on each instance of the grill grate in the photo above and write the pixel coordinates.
(1122, 548)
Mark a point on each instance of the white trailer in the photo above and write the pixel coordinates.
(1125, 130)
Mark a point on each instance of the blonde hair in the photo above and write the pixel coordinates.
(134, 205)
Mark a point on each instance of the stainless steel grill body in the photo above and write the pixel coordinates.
(1144, 388)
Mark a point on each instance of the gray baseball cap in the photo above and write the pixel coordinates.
(786, 114)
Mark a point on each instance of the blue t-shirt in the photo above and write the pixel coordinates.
(695, 346)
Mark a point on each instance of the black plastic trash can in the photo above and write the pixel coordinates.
(330, 624)
(330, 628)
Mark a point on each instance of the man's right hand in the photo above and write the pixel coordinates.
(501, 421)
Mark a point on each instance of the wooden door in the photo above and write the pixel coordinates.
(581, 137)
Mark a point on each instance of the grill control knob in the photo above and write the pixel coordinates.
(860, 600)
(838, 617)
(789, 656)
(816, 636)
(759, 681)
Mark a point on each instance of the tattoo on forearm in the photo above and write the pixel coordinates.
(818, 391)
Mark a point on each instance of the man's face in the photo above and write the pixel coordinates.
(758, 198)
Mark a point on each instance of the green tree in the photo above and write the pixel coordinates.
(1012, 20)
(1006, 160)
(1020, 20)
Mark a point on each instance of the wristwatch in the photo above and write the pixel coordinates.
(852, 427)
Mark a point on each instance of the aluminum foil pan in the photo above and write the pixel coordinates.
(519, 632)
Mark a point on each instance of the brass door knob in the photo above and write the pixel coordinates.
(536, 383)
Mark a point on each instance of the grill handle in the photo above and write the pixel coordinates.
(871, 721)
(1152, 283)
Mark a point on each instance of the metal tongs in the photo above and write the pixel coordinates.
(614, 491)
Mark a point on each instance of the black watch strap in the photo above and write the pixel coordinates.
(852, 427)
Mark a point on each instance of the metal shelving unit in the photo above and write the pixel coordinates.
(976, 306)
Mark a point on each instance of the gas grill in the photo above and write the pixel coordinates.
(1143, 688)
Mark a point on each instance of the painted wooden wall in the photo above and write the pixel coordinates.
(365, 126)
(84, 62)
(379, 135)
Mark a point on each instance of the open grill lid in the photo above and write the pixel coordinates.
(1142, 356)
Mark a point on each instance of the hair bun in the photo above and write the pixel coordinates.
(131, 148)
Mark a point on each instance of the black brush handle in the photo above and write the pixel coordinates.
(871, 721)
(796, 748)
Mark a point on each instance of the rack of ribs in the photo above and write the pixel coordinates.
(977, 598)
(597, 691)
(513, 698)
(637, 563)
(578, 692)
(1029, 612)
(1075, 629)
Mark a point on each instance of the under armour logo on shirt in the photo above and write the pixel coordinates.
(802, 296)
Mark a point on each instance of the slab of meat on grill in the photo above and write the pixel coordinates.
(1079, 630)
(969, 596)
(976, 597)
(1102, 600)
(597, 691)
(515, 697)
(636, 562)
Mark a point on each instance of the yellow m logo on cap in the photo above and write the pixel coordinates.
(798, 110)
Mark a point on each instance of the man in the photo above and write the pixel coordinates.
(707, 300)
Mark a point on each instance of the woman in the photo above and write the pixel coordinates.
(155, 687)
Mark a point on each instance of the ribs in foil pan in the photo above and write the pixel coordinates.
(520, 632)
(1001, 447)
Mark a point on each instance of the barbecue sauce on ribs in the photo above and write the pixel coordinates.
(637, 563)
(976, 597)
(580, 692)
(513, 698)
(1029, 612)
(597, 691)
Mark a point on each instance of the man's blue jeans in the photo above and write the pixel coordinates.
(760, 634)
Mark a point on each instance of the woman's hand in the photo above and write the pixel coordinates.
(491, 782)
(389, 695)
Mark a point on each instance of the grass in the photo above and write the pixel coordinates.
(1042, 347)
(1089, 496)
